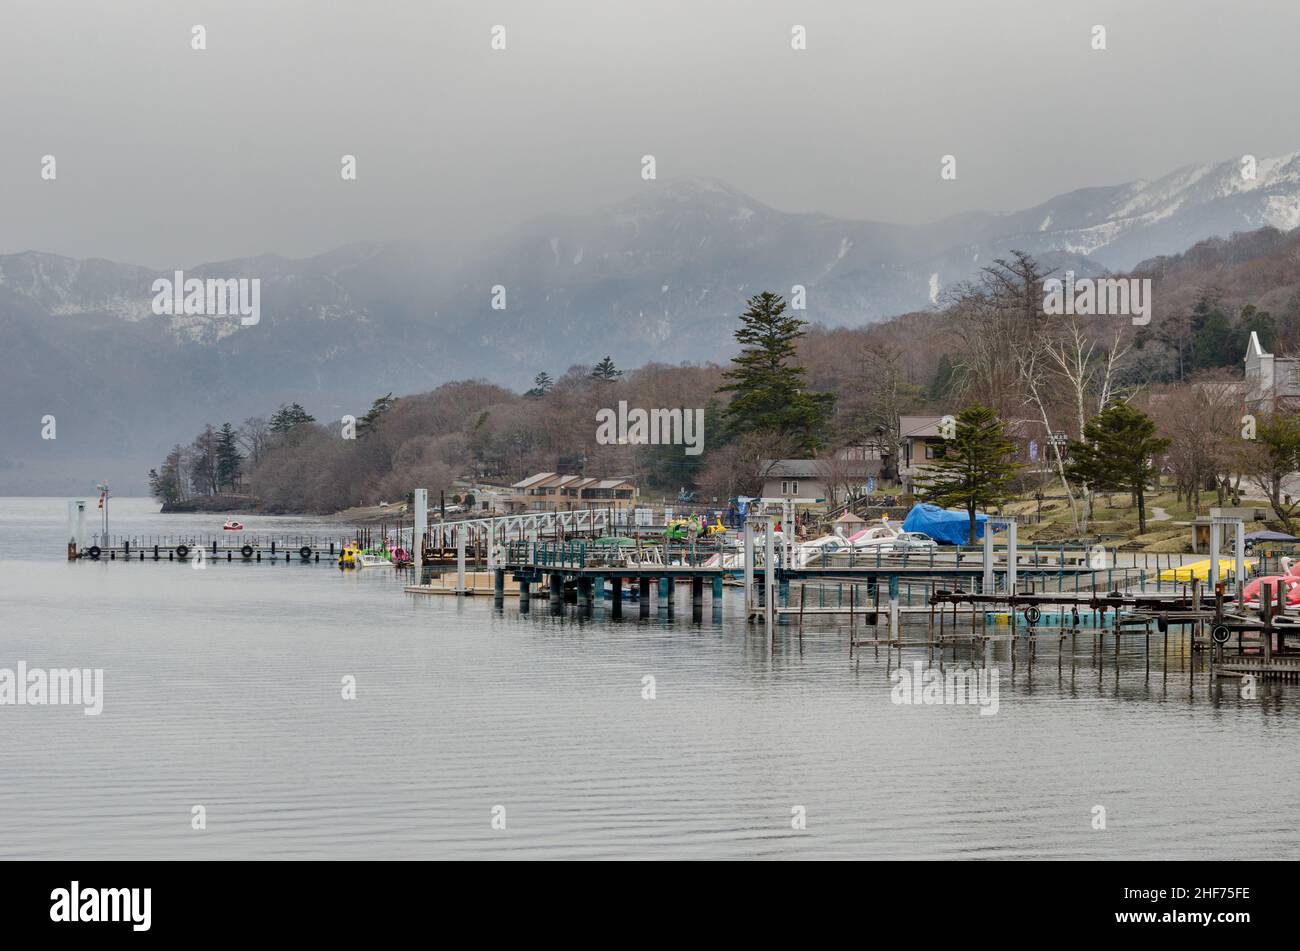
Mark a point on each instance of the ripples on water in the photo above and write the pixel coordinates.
(223, 688)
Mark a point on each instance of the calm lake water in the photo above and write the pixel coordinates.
(222, 688)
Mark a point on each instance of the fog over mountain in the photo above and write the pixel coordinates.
(659, 276)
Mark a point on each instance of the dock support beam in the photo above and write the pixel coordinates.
(643, 595)
(499, 585)
(1013, 556)
(616, 583)
(460, 562)
(749, 569)
(986, 581)
(557, 588)
(1215, 540)
(1217, 524)
(421, 506)
(893, 608)
(1009, 523)
(525, 595)
(769, 580)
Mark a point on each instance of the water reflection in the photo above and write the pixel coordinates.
(223, 688)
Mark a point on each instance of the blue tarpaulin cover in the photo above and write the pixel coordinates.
(951, 528)
(1271, 537)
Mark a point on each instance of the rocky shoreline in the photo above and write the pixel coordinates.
(225, 504)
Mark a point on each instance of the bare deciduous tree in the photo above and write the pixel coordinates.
(1063, 375)
(995, 319)
(1203, 423)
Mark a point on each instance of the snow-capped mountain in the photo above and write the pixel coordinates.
(1124, 224)
(660, 276)
(663, 274)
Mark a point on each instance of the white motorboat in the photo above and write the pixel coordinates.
(371, 559)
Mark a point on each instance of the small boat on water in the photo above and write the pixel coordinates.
(390, 554)
(884, 538)
(1289, 580)
(232, 526)
(373, 559)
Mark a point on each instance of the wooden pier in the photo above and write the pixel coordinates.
(578, 570)
(300, 549)
(965, 596)
(996, 594)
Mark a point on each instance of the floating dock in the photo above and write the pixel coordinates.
(289, 548)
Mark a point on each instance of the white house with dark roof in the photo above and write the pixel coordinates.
(1269, 378)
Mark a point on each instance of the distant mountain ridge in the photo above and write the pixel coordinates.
(659, 276)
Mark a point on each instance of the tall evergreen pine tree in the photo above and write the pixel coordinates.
(287, 417)
(767, 383)
(229, 461)
(605, 371)
(1118, 453)
(366, 424)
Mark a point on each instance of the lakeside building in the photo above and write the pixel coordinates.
(1270, 379)
(792, 478)
(551, 491)
(920, 444)
(833, 477)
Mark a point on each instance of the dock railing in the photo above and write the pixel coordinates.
(581, 554)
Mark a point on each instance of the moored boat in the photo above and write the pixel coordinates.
(373, 559)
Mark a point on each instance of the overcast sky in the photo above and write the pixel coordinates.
(167, 156)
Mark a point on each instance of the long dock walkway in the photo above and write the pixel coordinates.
(232, 547)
